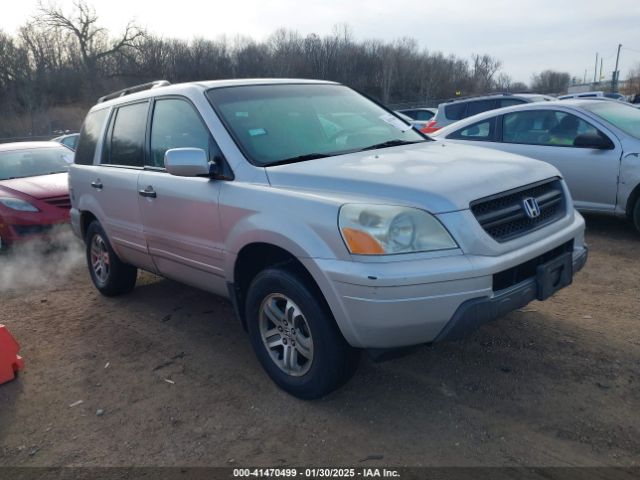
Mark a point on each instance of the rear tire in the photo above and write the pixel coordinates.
(295, 336)
(110, 275)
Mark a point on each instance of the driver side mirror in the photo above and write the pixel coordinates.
(188, 162)
(593, 140)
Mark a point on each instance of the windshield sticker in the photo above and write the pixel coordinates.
(256, 132)
(242, 114)
(396, 122)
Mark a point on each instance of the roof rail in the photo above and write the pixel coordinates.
(134, 89)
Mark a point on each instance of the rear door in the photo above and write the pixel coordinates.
(180, 214)
(115, 183)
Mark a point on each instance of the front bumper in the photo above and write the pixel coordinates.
(404, 303)
(18, 229)
(475, 312)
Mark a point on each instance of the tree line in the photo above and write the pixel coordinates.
(63, 61)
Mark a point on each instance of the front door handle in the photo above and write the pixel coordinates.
(148, 192)
(97, 184)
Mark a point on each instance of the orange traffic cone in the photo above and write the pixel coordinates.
(10, 361)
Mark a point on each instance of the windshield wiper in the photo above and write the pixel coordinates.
(300, 158)
(390, 143)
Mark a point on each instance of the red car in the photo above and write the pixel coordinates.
(34, 191)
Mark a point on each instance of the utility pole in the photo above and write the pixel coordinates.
(585, 76)
(600, 77)
(595, 69)
(616, 74)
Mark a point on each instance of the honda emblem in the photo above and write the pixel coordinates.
(531, 207)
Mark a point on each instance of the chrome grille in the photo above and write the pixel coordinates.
(503, 216)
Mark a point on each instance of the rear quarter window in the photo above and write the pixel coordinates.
(480, 106)
(89, 136)
(455, 111)
(480, 131)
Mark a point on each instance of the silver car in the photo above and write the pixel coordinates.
(330, 224)
(594, 143)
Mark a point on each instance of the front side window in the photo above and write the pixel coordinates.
(89, 135)
(625, 117)
(544, 127)
(126, 142)
(411, 113)
(176, 124)
(285, 123)
(32, 162)
(423, 115)
(481, 131)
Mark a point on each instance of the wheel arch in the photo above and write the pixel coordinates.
(634, 196)
(86, 217)
(256, 257)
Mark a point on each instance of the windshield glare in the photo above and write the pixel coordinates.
(279, 123)
(625, 117)
(32, 162)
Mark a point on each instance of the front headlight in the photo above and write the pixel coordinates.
(18, 204)
(386, 229)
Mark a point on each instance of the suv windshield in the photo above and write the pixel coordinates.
(276, 124)
(32, 162)
(625, 117)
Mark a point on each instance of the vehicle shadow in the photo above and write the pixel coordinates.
(610, 228)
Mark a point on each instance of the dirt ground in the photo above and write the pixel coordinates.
(166, 376)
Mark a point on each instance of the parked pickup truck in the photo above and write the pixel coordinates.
(330, 224)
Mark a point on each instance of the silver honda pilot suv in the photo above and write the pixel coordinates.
(330, 224)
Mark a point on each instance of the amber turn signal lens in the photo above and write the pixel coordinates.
(361, 243)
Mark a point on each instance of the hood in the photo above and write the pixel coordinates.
(42, 186)
(437, 176)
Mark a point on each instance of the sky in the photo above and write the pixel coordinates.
(527, 36)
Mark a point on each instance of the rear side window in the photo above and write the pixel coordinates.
(176, 124)
(126, 139)
(480, 131)
(480, 106)
(455, 111)
(89, 137)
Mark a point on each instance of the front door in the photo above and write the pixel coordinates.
(548, 135)
(180, 214)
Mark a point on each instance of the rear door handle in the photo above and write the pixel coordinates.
(148, 192)
(97, 184)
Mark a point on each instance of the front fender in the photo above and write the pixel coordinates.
(296, 238)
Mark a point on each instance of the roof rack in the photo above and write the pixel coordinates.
(467, 97)
(134, 89)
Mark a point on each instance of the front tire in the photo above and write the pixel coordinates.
(635, 215)
(110, 275)
(295, 336)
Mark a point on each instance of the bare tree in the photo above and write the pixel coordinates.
(633, 81)
(483, 70)
(92, 40)
(550, 81)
